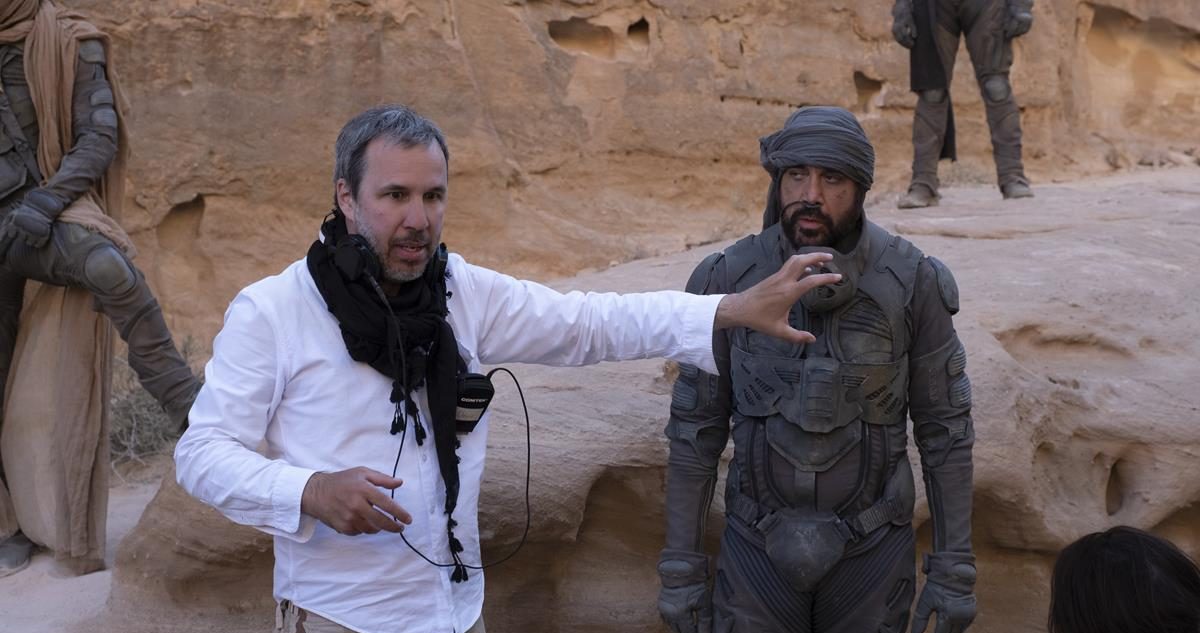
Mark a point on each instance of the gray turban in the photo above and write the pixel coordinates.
(818, 136)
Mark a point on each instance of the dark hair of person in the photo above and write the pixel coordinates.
(396, 123)
(1124, 580)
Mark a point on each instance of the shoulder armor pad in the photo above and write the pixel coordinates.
(701, 280)
(91, 51)
(741, 257)
(947, 287)
(905, 249)
(896, 254)
(752, 258)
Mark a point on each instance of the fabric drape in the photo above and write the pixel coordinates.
(54, 434)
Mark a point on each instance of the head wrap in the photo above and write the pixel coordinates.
(818, 136)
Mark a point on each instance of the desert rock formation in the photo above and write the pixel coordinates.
(586, 133)
(625, 125)
(1078, 314)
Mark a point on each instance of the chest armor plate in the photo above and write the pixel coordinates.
(813, 400)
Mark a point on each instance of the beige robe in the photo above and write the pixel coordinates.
(54, 433)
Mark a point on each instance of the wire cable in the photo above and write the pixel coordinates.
(402, 415)
(528, 478)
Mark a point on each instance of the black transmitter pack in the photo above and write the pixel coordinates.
(475, 393)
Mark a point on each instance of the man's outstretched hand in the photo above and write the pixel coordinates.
(765, 307)
(353, 501)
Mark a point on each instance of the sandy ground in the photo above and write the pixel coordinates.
(44, 599)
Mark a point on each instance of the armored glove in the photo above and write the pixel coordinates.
(685, 601)
(30, 222)
(904, 28)
(1020, 18)
(949, 590)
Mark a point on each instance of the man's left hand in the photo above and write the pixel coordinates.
(949, 593)
(31, 221)
(765, 306)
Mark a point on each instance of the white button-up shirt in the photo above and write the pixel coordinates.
(282, 399)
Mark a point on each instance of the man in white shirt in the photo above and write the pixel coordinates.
(327, 418)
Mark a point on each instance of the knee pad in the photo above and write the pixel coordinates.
(996, 88)
(935, 96)
(108, 272)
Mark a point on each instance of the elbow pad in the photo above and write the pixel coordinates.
(696, 416)
(94, 102)
(940, 400)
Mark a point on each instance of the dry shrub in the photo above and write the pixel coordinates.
(139, 429)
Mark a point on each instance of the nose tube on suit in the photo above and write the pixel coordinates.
(833, 296)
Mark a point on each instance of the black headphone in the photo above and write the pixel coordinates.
(355, 259)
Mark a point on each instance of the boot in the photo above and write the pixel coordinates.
(15, 554)
(918, 196)
(1016, 189)
(178, 411)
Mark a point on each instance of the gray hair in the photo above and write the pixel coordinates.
(397, 123)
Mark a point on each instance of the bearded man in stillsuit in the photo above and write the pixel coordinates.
(819, 496)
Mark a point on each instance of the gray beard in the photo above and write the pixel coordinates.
(395, 276)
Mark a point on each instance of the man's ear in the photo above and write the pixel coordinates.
(345, 202)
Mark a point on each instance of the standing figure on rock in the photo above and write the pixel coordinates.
(62, 170)
(819, 497)
(331, 417)
(930, 29)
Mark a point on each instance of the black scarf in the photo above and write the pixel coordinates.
(417, 347)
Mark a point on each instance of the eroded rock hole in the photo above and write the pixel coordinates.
(581, 36)
(189, 207)
(180, 230)
(867, 90)
(1114, 493)
(639, 34)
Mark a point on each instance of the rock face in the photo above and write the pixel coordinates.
(582, 132)
(1077, 309)
(585, 133)
(183, 552)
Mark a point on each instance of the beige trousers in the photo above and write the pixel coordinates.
(292, 619)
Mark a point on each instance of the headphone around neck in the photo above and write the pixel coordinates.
(355, 259)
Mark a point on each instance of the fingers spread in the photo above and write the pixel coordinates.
(796, 264)
(823, 279)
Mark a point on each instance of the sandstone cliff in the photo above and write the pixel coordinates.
(582, 132)
(1077, 313)
(585, 133)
